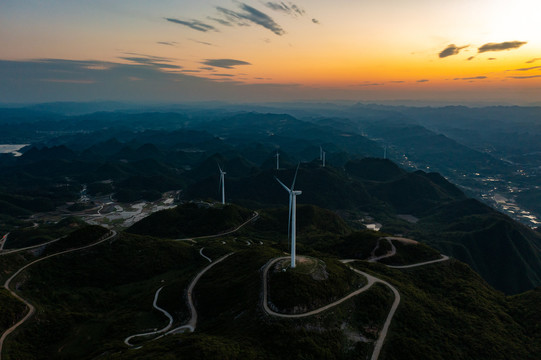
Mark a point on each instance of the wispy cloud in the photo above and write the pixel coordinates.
(471, 78)
(371, 84)
(491, 59)
(193, 24)
(69, 81)
(201, 42)
(250, 15)
(289, 8)
(527, 69)
(224, 63)
(532, 60)
(167, 43)
(397, 81)
(155, 61)
(206, 68)
(220, 21)
(524, 77)
(422, 80)
(507, 45)
(227, 75)
(315, 21)
(470, 58)
(451, 50)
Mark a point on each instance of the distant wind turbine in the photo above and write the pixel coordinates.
(222, 183)
(323, 158)
(291, 226)
(277, 160)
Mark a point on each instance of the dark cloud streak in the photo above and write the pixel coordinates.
(292, 9)
(507, 45)
(224, 63)
(193, 24)
(168, 43)
(151, 61)
(251, 15)
(220, 21)
(524, 77)
(527, 69)
(451, 50)
(471, 78)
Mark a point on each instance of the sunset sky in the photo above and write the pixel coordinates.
(461, 51)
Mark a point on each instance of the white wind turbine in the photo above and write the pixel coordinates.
(291, 226)
(323, 157)
(277, 160)
(222, 183)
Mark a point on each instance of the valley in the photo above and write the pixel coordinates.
(183, 275)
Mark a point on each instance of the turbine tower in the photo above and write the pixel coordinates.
(222, 183)
(323, 158)
(291, 226)
(277, 160)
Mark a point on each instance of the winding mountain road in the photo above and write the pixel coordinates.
(375, 258)
(203, 255)
(371, 280)
(253, 218)
(13, 251)
(31, 308)
(167, 327)
(443, 258)
(192, 323)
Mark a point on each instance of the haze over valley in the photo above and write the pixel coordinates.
(270, 180)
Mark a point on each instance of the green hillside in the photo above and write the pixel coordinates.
(449, 312)
(191, 219)
(501, 250)
(88, 302)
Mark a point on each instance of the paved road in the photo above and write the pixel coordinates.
(254, 216)
(371, 281)
(3, 241)
(203, 255)
(443, 258)
(167, 327)
(269, 311)
(31, 308)
(12, 251)
(192, 323)
(373, 258)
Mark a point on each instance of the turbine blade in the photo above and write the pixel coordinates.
(281, 183)
(295, 178)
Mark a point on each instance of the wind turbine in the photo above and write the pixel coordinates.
(291, 226)
(222, 183)
(277, 160)
(323, 158)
